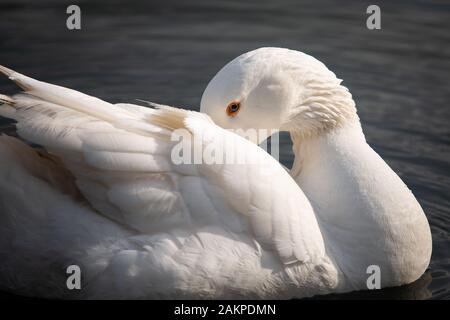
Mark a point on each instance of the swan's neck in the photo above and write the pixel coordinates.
(366, 213)
(308, 149)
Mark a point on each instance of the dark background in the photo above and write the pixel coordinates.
(167, 52)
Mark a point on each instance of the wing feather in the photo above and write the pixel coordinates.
(121, 158)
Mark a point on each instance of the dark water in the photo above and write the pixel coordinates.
(167, 52)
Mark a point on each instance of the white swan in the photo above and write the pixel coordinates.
(106, 196)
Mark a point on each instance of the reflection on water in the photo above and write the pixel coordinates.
(167, 52)
(414, 291)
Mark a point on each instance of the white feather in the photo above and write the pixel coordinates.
(108, 197)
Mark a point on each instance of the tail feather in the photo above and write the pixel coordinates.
(16, 77)
(9, 73)
(6, 100)
(6, 71)
(68, 98)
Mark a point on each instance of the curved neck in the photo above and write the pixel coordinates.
(365, 211)
(308, 149)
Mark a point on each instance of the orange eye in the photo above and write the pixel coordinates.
(233, 108)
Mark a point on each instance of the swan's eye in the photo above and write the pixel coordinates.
(233, 108)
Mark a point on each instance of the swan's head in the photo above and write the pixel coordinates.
(277, 89)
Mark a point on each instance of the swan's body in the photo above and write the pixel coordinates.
(107, 196)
